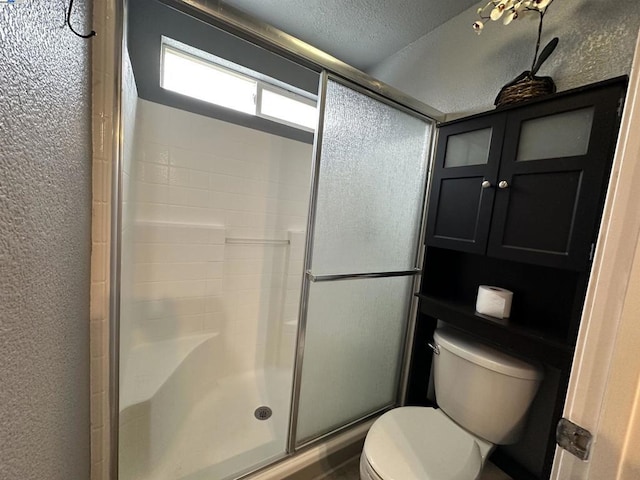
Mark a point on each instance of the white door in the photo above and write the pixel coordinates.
(604, 389)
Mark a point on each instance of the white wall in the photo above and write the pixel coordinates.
(194, 182)
(454, 70)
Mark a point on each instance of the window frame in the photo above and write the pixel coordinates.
(284, 93)
(261, 85)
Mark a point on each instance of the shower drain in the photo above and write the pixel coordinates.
(263, 412)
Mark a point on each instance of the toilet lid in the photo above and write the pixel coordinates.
(418, 443)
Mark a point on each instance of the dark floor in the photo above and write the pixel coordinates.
(351, 471)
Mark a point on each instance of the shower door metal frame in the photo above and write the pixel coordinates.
(309, 278)
(115, 247)
(236, 22)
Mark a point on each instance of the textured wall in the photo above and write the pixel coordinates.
(45, 193)
(455, 70)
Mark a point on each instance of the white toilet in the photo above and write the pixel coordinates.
(483, 396)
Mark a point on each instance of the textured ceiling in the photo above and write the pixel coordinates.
(359, 32)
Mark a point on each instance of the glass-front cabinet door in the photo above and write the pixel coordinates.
(466, 167)
(555, 155)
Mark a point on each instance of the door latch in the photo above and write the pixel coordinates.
(574, 439)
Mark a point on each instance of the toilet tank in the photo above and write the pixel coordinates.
(482, 389)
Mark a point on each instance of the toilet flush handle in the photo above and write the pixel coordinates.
(435, 348)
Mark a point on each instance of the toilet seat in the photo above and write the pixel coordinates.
(420, 443)
(366, 470)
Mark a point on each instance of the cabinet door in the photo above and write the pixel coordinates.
(465, 170)
(555, 162)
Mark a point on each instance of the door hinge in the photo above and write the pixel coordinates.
(574, 439)
(592, 252)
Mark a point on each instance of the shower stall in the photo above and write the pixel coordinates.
(267, 264)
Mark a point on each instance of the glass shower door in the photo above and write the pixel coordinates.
(371, 168)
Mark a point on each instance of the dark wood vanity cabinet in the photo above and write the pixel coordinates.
(515, 201)
(526, 184)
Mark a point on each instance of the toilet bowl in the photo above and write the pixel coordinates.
(484, 396)
(419, 443)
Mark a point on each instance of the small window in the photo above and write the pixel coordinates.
(202, 78)
(285, 107)
(189, 75)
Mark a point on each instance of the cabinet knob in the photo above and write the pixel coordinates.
(503, 184)
(486, 184)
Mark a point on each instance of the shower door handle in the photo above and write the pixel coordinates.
(349, 276)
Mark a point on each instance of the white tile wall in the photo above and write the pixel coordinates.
(177, 277)
(193, 182)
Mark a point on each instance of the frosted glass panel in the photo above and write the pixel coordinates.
(370, 187)
(470, 148)
(556, 136)
(354, 337)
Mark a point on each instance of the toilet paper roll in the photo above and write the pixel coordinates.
(494, 301)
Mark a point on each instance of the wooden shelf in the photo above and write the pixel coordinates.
(522, 341)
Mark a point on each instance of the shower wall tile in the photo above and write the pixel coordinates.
(157, 194)
(194, 182)
(212, 323)
(214, 305)
(155, 153)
